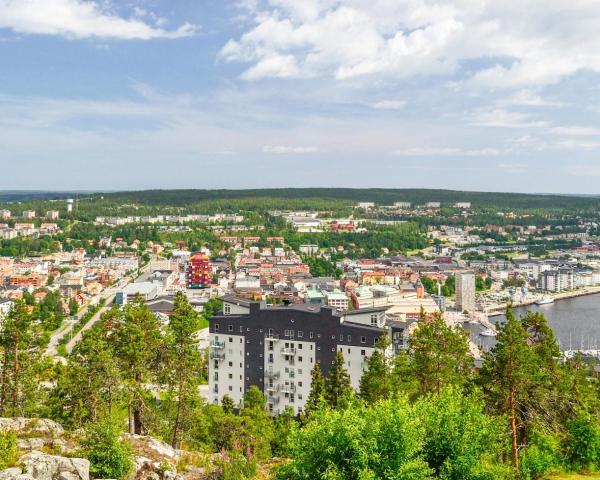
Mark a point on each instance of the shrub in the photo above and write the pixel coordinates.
(9, 454)
(542, 456)
(109, 456)
(582, 445)
(233, 466)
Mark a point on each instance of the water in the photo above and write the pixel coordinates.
(575, 321)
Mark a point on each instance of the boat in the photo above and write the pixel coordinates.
(488, 333)
(544, 301)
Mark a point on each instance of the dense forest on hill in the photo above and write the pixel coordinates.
(335, 199)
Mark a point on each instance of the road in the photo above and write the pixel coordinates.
(65, 330)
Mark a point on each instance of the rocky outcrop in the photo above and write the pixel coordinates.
(41, 466)
(36, 433)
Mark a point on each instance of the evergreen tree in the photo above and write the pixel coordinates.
(440, 354)
(376, 381)
(185, 361)
(507, 374)
(138, 348)
(338, 389)
(20, 361)
(254, 399)
(316, 397)
(227, 404)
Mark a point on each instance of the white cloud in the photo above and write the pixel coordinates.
(403, 38)
(513, 167)
(287, 149)
(528, 98)
(577, 131)
(505, 119)
(450, 152)
(80, 19)
(390, 105)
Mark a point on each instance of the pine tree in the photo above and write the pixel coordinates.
(338, 389)
(138, 348)
(376, 381)
(316, 397)
(227, 404)
(185, 361)
(20, 361)
(508, 372)
(440, 355)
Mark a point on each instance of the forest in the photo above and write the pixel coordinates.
(427, 413)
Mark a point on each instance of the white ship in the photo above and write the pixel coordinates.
(544, 301)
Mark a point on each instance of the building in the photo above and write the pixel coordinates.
(557, 280)
(275, 347)
(366, 205)
(402, 205)
(146, 290)
(465, 291)
(29, 214)
(463, 205)
(199, 271)
(4, 214)
(433, 205)
(52, 214)
(70, 202)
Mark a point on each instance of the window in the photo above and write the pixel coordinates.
(362, 352)
(270, 332)
(241, 329)
(230, 388)
(216, 327)
(230, 328)
(299, 359)
(299, 373)
(374, 320)
(241, 340)
(349, 338)
(300, 334)
(363, 339)
(375, 340)
(299, 346)
(348, 351)
(310, 334)
(230, 339)
(287, 333)
(226, 308)
(231, 364)
(231, 376)
(341, 337)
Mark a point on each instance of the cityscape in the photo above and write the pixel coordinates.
(299, 240)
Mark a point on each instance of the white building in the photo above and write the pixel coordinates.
(465, 291)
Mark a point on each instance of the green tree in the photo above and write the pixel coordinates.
(227, 404)
(338, 389)
(20, 343)
(109, 456)
(507, 374)
(316, 396)
(185, 363)
(254, 399)
(376, 381)
(9, 453)
(138, 348)
(582, 444)
(440, 354)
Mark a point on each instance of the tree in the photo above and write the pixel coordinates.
(507, 375)
(254, 399)
(185, 361)
(316, 397)
(227, 404)
(73, 307)
(582, 444)
(376, 381)
(338, 389)
(440, 355)
(138, 347)
(109, 456)
(20, 361)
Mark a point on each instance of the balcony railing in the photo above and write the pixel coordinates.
(273, 400)
(272, 374)
(273, 388)
(288, 351)
(291, 388)
(217, 344)
(217, 355)
(273, 337)
(292, 374)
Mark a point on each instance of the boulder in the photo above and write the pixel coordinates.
(53, 467)
(32, 427)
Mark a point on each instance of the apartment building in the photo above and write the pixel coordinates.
(557, 280)
(275, 347)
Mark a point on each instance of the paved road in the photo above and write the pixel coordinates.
(63, 331)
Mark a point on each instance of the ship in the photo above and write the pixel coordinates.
(544, 301)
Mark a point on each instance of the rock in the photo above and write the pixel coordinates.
(152, 447)
(169, 475)
(29, 444)
(38, 427)
(10, 473)
(53, 467)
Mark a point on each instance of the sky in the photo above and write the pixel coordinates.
(460, 94)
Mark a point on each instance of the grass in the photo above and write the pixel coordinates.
(574, 476)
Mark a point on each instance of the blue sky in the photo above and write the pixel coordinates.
(461, 94)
